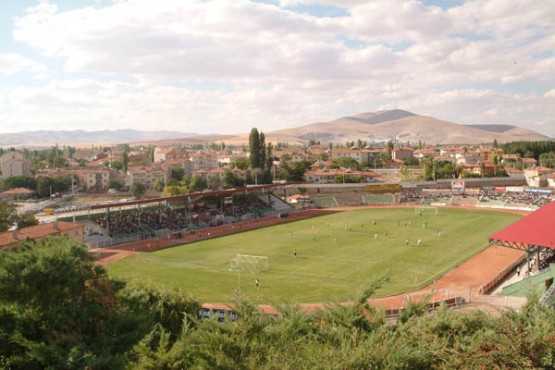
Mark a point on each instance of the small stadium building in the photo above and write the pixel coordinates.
(13, 239)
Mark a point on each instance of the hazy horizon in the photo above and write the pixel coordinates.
(227, 66)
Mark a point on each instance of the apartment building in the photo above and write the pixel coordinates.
(369, 156)
(13, 163)
(162, 154)
(146, 175)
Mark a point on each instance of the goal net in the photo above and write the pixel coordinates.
(248, 263)
(426, 210)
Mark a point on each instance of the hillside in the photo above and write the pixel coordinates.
(380, 127)
(408, 127)
(45, 138)
(376, 127)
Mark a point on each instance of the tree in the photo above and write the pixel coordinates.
(82, 162)
(59, 310)
(116, 165)
(59, 162)
(261, 158)
(232, 180)
(173, 190)
(138, 190)
(445, 170)
(241, 163)
(269, 158)
(528, 149)
(198, 183)
(215, 182)
(346, 162)
(390, 147)
(293, 171)
(27, 220)
(547, 159)
(125, 161)
(177, 173)
(50, 185)
(428, 168)
(254, 148)
(8, 215)
(348, 179)
(262, 151)
(412, 161)
(19, 182)
(157, 185)
(114, 184)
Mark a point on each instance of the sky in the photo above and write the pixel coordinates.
(227, 66)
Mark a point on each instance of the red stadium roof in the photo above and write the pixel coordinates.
(537, 228)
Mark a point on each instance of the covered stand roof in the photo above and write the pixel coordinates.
(535, 229)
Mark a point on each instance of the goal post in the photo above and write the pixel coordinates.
(426, 210)
(249, 263)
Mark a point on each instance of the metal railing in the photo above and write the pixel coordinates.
(549, 294)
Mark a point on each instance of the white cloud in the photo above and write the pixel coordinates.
(12, 63)
(230, 65)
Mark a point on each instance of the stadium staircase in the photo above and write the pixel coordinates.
(278, 204)
(145, 229)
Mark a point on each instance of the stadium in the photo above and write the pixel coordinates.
(427, 242)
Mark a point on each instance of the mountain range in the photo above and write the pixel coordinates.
(404, 126)
(46, 138)
(399, 125)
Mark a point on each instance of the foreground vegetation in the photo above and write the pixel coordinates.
(58, 310)
(336, 255)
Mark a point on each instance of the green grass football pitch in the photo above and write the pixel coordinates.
(337, 255)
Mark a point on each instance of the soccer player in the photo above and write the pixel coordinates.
(257, 283)
(295, 252)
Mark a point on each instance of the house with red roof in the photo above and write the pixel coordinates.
(13, 239)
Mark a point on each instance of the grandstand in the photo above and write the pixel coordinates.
(534, 235)
(161, 217)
